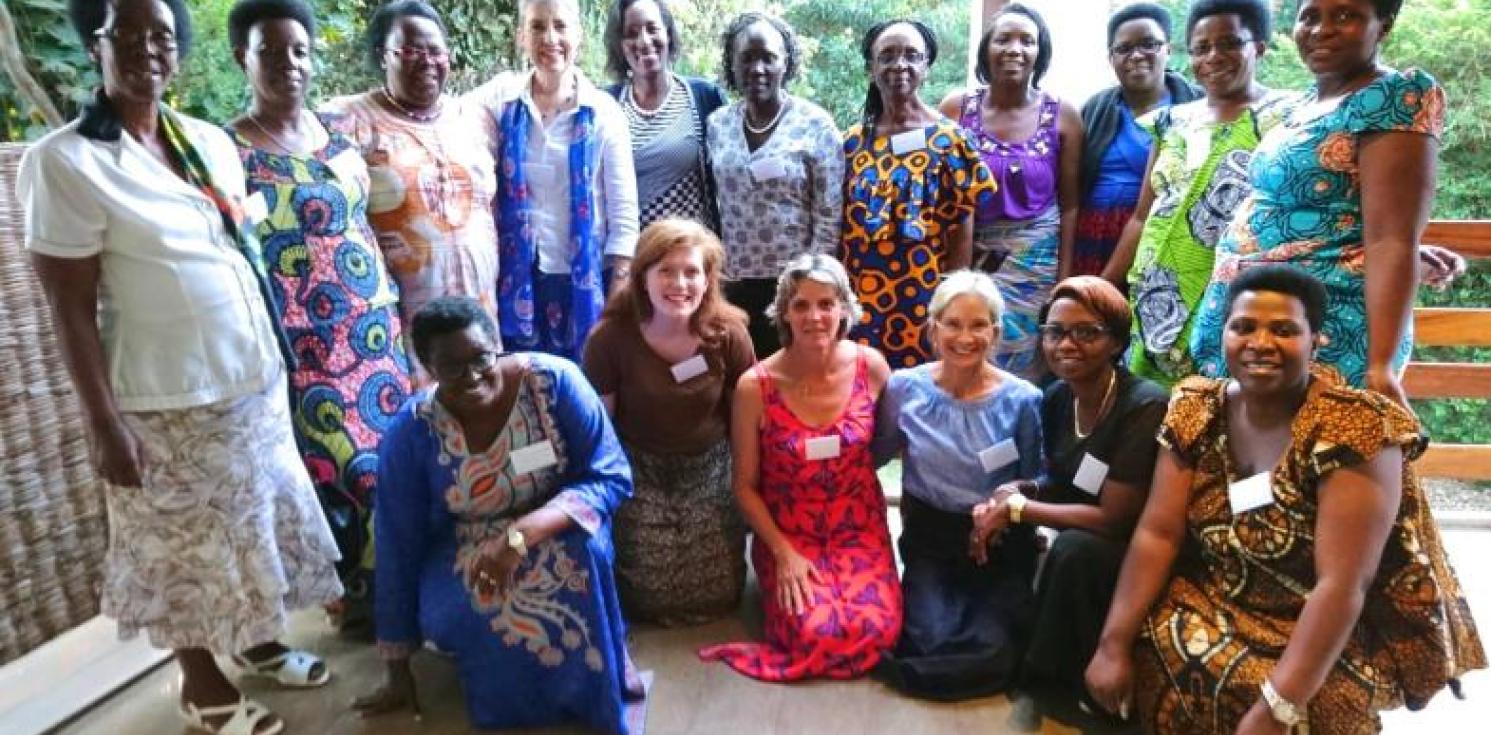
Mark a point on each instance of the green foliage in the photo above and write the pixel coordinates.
(57, 60)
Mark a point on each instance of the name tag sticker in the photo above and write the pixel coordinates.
(346, 165)
(1090, 475)
(255, 209)
(1253, 492)
(688, 369)
(911, 140)
(999, 455)
(823, 447)
(766, 169)
(533, 457)
(1198, 144)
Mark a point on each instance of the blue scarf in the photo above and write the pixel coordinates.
(518, 255)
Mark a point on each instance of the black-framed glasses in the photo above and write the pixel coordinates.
(158, 38)
(1228, 45)
(1085, 334)
(890, 56)
(479, 365)
(1147, 46)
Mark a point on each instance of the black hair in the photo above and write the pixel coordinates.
(383, 20)
(1139, 11)
(1387, 10)
(873, 104)
(446, 315)
(1254, 15)
(746, 20)
(616, 60)
(246, 13)
(1042, 43)
(1284, 279)
(87, 16)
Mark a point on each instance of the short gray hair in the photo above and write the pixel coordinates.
(968, 283)
(824, 270)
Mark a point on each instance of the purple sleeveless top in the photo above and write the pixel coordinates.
(1026, 172)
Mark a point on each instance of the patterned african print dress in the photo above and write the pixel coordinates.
(553, 649)
(1306, 210)
(1241, 580)
(901, 195)
(1199, 178)
(833, 512)
(339, 309)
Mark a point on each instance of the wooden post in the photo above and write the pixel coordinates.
(14, 64)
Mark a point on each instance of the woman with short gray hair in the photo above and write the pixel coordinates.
(800, 435)
(962, 427)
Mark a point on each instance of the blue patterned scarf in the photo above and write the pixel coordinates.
(517, 252)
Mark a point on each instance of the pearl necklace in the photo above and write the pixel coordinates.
(752, 129)
(423, 117)
(631, 100)
(1077, 411)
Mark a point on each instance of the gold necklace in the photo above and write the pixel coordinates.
(424, 117)
(1077, 409)
(289, 150)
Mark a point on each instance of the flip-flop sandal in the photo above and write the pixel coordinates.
(289, 669)
(244, 718)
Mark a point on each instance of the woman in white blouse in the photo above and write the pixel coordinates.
(137, 229)
(566, 190)
(779, 167)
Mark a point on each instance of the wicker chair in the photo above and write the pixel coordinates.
(53, 529)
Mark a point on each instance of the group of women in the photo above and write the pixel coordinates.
(583, 434)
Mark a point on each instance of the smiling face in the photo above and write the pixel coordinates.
(676, 284)
(898, 61)
(136, 50)
(1227, 67)
(1014, 43)
(465, 365)
(759, 62)
(644, 38)
(278, 60)
(815, 314)
(1267, 343)
(549, 34)
(416, 61)
(965, 332)
(1338, 37)
(1070, 358)
(1139, 54)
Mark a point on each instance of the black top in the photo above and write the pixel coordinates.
(1124, 439)
(1100, 120)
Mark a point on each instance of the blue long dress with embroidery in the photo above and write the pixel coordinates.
(554, 649)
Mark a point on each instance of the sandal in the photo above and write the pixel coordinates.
(290, 669)
(244, 718)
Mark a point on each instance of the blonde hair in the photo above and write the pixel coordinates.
(819, 268)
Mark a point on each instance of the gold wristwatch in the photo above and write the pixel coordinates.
(1017, 506)
(1284, 712)
(515, 541)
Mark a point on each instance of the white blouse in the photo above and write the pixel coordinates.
(180, 314)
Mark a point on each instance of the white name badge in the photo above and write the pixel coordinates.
(911, 140)
(823, 447)
(688, 369)
(766, 169)
(533, 457)
(1253, 492)
(255, 209)
(1198, 145)
(1090, 475)
(999, 455)
(347, 165)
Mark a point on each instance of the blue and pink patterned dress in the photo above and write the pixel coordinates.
(1306, 210)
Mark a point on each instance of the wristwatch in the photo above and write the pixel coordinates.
(1284, 712)
(516, 542)
(1017, 506)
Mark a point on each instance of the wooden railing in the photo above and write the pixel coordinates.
(1463, 327)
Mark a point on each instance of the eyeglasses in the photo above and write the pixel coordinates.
(1084, 334)
(1229, 45)
(418, 53)
(479, 365)
(891, 56)
(160, 39)
(1147, 46)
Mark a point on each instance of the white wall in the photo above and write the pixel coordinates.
(1079, 39)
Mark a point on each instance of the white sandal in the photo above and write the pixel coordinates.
(244, 718)
(289, 669)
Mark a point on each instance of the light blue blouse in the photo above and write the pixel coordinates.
(940, 437)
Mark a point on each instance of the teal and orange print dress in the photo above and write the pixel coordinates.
(898, 209)
(1306, 210)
